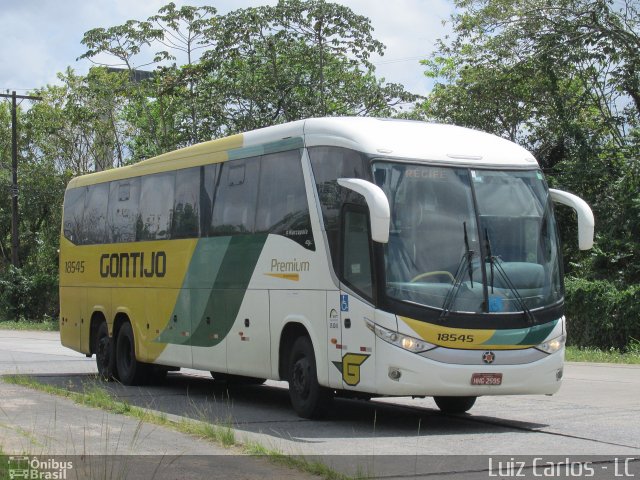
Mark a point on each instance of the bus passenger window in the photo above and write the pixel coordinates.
(73, 214)
(156, 206)
(95, 213)
(282, 205)
(122, 215)
(185, 219)
(234, 206)
(209, 176)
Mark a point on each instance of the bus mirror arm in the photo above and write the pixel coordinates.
(586, 223)
(379, 211)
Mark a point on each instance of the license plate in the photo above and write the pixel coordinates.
(486, 379)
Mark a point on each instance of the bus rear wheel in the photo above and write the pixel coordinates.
(105, 358)
(308, 398)
(130, 370)
(454, 404)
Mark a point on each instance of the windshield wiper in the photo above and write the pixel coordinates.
(495, 262)
(467, 258)
(490, 257)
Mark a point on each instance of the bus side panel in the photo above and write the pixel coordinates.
(249, 342)
(166, 341)
(71, 321)
(307, 308)
(211, 354)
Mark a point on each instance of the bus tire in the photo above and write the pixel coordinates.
(454, 404)
(308, 398)
(130, 370)
(105, 358)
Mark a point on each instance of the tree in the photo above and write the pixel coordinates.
(561, 79)
(78, 126)
(259, 66)
(166, 103)
(295, 60)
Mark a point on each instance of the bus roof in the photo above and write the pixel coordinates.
(389, 138)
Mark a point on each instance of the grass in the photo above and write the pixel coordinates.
(596, 355)
(48, 325)
(300, 463)
(224, 435)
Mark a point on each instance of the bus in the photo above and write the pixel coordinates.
(355, 257)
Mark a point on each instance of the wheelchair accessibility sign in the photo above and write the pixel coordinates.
(344, 302)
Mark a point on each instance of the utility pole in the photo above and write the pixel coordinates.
(15, 239)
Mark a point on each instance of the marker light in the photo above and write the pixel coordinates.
(405, 342)
(553, 345)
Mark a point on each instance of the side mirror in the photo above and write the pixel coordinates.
(586, 223)
(379, 211)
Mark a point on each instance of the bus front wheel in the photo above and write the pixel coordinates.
(454, 404)
(308, 398)
(130, 370)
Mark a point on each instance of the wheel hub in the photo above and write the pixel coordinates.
(300, 378)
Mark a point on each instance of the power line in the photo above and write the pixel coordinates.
(17, 89)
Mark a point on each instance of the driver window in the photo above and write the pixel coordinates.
(356, 256)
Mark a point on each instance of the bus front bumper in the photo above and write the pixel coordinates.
(402, 373)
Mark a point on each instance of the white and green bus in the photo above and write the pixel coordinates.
(348, 256)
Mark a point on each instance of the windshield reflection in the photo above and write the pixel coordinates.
(469, 240)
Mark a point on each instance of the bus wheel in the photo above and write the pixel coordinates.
(105, 359)
(130, 371)
(454, 404)
(308, 398)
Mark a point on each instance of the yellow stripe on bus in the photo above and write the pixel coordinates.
(286, 276)
(214, 151)
(462, 338)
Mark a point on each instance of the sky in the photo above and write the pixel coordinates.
(42, 37)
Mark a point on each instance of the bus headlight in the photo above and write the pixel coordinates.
(405, 342)
(553, 345)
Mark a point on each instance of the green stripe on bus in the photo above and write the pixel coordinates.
(539, 333)
(522, 336)
(265, 149)
(213, 289)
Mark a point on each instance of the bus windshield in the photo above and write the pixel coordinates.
(470, 240)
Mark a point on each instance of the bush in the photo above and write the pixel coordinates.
(601, 315)
(26, 295)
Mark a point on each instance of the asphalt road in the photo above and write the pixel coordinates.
(595, 418)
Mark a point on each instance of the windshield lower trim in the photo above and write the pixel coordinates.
(493, 320)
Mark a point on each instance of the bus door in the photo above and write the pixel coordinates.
(358, 369)
(334, 332)
(358, 372)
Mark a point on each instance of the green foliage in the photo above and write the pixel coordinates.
(247, 69)
(257, 67)
(561, 79)
(609, 355)
(28, 295)
(601, 315)
(44, 324)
